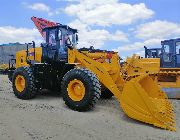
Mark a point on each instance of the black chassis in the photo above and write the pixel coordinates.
(48, 76)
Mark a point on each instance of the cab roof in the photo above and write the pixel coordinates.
(61, 26)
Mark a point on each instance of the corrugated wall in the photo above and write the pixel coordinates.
(5, 51)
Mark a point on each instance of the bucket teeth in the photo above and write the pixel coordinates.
(166, 121)
(166, 115)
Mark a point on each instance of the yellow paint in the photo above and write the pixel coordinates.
(20, 83)
(143, 100)
(76, 90)
(21, 56)
(139, 97)
(136, 65)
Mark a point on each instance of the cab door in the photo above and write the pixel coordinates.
(168, 55)
(177, 46)
(50, 48)
(52, 44)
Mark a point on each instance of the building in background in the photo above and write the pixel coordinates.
(9, 49)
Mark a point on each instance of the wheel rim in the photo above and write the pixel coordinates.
(20, 83)
(76, 90)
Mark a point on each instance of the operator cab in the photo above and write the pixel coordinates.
(58, 40)
(153, 52)
(170, 53)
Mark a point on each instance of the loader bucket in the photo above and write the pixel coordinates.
(143, 100)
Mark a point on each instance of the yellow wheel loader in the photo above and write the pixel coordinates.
(82, 75)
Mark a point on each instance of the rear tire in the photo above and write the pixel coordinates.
(29, 90)
(92, 89)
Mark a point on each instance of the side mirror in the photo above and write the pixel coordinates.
(77, 38)
(33, 44)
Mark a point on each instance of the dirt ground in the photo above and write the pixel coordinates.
(47, 118)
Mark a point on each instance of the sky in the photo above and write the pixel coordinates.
(125, 26)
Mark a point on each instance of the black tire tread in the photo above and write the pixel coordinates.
(31, 89)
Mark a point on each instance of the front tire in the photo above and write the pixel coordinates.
(80, 89)
(23, 82)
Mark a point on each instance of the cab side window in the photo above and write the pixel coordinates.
(167, 56)
(166, 48)
(52, 37)
(177, 47)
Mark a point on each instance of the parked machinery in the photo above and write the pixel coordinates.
(82, 73)
(4, 68)
(163, 64)
(169, 53)
(152, 52)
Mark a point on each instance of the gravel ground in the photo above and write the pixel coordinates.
(47, 118)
